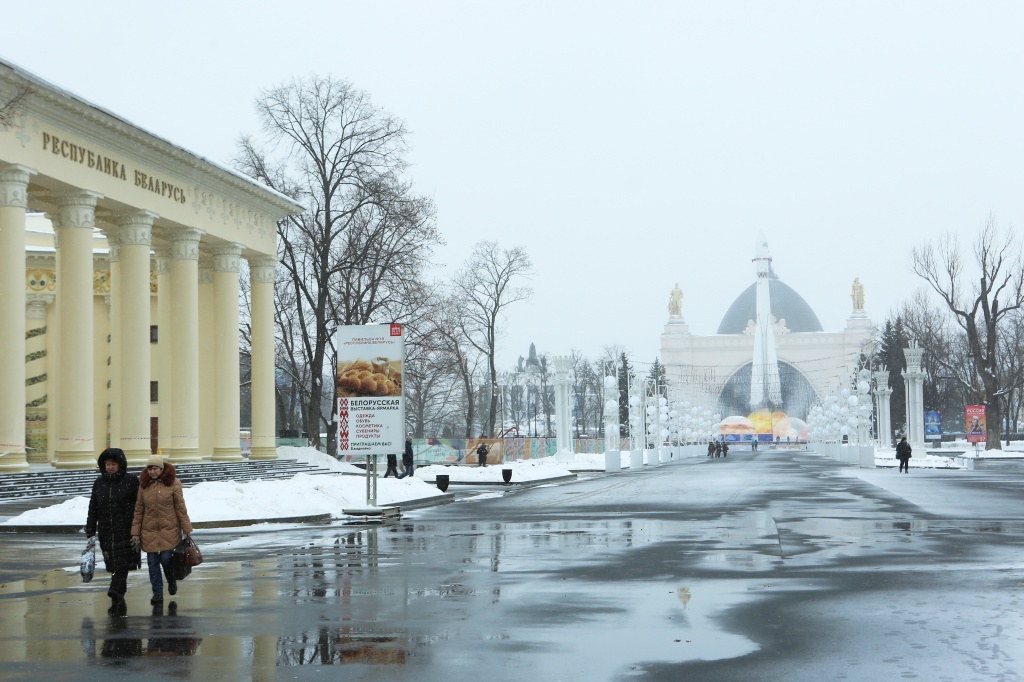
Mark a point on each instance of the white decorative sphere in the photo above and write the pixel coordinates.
(610, 382)
(634, 401)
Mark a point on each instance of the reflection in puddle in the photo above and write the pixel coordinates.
(333, 645)
(125, 638)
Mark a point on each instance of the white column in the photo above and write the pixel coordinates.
(185, 350)
(13, 202)
(102, 360)
(114, 259)
(914, 379)
(76, 218)
(882, 396)
(164, 344)
(563, 432)
(264, 431)
(207, 361)
(131, 382)
(225, 284)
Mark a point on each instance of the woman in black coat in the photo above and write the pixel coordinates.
(111, 510)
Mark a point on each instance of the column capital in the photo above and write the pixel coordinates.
(185, 243)
(77, 209)
(226, 257)
(205, 272)
(114, 245)
(262, 269)
(136, 228)
(162, 260)
(37, 305)
(14, 185)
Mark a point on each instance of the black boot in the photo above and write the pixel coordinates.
(172, 586)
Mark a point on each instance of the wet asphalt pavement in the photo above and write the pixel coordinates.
(768, 566)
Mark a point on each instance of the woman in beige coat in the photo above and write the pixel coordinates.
(161, 520)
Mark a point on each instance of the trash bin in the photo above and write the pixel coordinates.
(506, 475)
(442, 482)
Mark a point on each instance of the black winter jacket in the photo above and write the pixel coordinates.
(407, 454)
(111, 510)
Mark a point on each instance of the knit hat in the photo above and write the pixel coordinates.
(155, 461)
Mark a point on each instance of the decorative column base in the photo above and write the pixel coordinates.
(263, 453)
(184, 456)
(13, 462)
(135, 455)
(77, 459)
(227, 454)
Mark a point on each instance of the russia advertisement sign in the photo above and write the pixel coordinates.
(975, 421)
(370, 409)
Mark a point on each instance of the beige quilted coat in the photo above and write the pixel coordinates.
(161, 518)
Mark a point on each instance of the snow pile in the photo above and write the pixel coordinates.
(303, 495)
(314, 457)
(525, 470)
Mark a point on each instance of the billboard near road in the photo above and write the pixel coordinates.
(370, 404)
(975, 420)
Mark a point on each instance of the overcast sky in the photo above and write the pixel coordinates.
(627, 145)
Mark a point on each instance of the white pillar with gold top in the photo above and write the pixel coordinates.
(74, 225)
(13, 202)
(225, 286)
(264, 433)
(135, 234)
(185, 350)
(164, 343)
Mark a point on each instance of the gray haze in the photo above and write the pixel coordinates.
(629, 146)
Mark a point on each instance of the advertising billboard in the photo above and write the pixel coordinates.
(370, 407)
(975, 420)
(932, 425)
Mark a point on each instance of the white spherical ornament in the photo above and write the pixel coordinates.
(852, 401)
(863, 387)
(845, 393)
(634, 401)
(610, 382)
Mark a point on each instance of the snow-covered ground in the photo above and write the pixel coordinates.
(306, 494)
(526, 470)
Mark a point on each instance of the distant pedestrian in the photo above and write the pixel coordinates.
(111, 509)
(481, 455)
(407, 458)
(725, 449)
(753, 444)
(903, 451)
(711, 448)
(718, 448)
(161, 521)
(392, 466)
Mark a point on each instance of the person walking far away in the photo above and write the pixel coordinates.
(903, 451)
(711, 448)
(111, 510)
(161, 519)
(481, 455)
(392, 466)
(718, 448)
(725, 449)
(407, 458)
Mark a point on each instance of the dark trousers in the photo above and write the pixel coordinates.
(118, 583)
(391, 471)
(905, 465)
(156, 560)
(407, 472)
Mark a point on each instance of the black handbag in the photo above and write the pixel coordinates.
(179, 561)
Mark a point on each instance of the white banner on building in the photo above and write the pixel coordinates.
(371, 409)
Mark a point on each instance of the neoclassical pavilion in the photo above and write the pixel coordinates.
(119, 311)
(717, 370)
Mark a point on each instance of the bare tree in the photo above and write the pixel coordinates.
(487, 285)
(979, 308)
(355, 254)
(10, 106)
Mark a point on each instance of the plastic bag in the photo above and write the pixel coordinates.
(87, 565)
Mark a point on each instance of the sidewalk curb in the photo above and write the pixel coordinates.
(502, 484)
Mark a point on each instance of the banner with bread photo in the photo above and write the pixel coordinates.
(370, 408)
